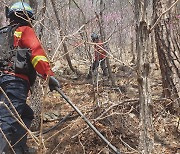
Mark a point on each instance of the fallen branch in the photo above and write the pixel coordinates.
(127, 144)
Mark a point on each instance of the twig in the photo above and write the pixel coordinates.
(115, 113)
(57, 133)
(80, 132)
(19, 139)
(163, 14)
(41, 143)
(101, 151)
(101, 116)
(63, 41)
(108, 53)
(178, 124)
(62, 138)
(18, 118)
(112, 106)
(127, 144)
(82, 145)
(7, 140)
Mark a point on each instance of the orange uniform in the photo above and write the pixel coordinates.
(98, 51)
(25, 37)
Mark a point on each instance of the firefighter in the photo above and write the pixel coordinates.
(21, 56)
(100, 56)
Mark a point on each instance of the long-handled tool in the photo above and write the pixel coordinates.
(88, 122)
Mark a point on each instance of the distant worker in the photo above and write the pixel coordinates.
(100, 57)
(21, 56)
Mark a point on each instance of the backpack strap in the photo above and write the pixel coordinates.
(3, 29)
(7, 46)
(11, 31)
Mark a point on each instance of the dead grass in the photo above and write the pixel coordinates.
(115, 113)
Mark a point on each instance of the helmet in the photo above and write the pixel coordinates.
(20, 7)
(94, 36)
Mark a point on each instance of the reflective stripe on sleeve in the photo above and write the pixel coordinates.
(36, 59)
(18, 34)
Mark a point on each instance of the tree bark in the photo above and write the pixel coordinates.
(103, 36)
(33, 4)
(84, 35)
(62, 34)
(168, 50)
(2, 15)
(146, 138)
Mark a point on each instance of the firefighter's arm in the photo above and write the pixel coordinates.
(38, 56)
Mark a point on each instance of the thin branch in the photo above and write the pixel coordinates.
(114, 113)
(18, 118)
(42, 147)
(7, 140)
(63, 39)
(162, 15)
(84, 152)
(127, 144)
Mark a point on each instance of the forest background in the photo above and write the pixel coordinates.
(137, 106)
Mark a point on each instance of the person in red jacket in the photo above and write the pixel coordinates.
(20, 56)
(100, 56)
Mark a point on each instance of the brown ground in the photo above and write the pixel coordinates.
(114, 111)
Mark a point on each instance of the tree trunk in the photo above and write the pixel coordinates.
(36, 90)
(62, 34)
(84, 34)
(168, 50)
(146, 138)
(103, 36)
(2, 15)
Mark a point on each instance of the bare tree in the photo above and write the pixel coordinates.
(63, 34)
(143, 48)
(168, 49)
(103, 37)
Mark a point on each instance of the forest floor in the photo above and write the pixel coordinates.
(114, 111)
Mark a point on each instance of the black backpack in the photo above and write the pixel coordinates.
(13, 59)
